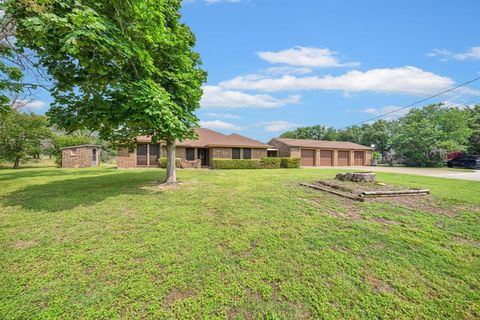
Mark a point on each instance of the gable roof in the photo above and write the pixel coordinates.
(210, 138)
(323, 144)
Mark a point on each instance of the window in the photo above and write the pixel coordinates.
(247, 153)
(190, 154)
(235, 153)
(73, 152)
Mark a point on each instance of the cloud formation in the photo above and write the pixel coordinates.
(223, 115)
(278, 125)
(405, 80)
(215, 96)
(29, 104)
(217, 124)
(306, 57)
(379, 111)
(472, 54)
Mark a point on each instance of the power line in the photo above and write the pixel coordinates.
(415, 103)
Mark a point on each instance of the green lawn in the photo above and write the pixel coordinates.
(106, 243)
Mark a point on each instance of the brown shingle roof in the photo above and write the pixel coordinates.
(210, 138)
(301, 143)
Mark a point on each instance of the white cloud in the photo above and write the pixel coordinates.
(214, 96)
(405, 80)
(223, 115)
(286, 70)
(472, 54)
(387, 109)
(29, 104)
(217, 124)
(305, 57)
(279, 125)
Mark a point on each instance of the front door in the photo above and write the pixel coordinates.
(203, 155)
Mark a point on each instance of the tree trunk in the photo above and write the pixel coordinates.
(171, 163)
(16, 164)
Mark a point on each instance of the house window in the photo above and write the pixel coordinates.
(235, 153)
(247, 153)
(190, 154)
(73, 152)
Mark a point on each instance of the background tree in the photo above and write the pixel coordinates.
(22, 136)
(474, 140)
(122, 68)
(425, 136)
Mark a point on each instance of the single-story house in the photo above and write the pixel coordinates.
(317, 153)
(81, 156)
(193, 153)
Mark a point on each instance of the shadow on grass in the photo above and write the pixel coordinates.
(20, 173)
(86, 191)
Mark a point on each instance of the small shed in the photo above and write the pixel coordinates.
(82, 156)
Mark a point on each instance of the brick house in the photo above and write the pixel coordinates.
(316, 153)
(193, 153)
(82, 156)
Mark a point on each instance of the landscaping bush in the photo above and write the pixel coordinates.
(270, 163)
(235, 164)
(162, 162)
(290, 163)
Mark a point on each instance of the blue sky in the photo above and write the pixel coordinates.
(276, 64)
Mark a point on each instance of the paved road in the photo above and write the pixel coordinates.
(460, 174)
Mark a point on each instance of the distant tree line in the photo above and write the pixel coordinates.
(25, 136)
(423, 137)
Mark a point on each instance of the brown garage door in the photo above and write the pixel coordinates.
(343, 158)
(359, 158)
(326, 158)
(308, 157)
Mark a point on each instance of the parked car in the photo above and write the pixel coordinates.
(470, 162)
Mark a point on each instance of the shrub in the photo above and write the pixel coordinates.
(270, 163)
(162, 162)
(235, 164)
(290, 163)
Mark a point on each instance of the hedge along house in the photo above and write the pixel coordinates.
(316, 153)
(83, 156)
(193, 153)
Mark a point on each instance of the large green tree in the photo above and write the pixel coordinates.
(22, 135)
(122, 68)
(426, 135)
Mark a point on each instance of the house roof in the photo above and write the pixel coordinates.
(210, 138)
(82, 145)
(323, 144)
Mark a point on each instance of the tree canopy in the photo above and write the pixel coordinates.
(122, 68)
(21, 135)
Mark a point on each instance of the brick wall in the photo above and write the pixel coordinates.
(259, 153)
(295, 152)
(125, 159)
(283, 149)
(368, 158)
(81, 157)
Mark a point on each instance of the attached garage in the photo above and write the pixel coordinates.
(326, 158)
(359, 158)
(344, 158)
(323, 153)
(307, 158)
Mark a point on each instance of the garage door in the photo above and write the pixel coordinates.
(359, 158)
(308, 157)
(343, 158)
(326, 158)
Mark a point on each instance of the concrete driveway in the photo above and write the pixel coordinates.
(431, 172)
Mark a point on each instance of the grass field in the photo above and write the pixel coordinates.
(105, 243)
